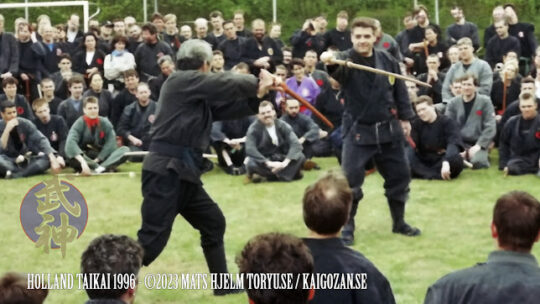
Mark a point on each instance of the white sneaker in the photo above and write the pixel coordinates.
(99, 170)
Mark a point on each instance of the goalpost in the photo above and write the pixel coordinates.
(84, 4)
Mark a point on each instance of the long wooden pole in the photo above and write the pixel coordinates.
(306, 104)
(378, 71)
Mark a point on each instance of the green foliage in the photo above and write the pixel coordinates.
(290, 13)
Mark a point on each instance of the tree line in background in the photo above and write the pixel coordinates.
(291, 14)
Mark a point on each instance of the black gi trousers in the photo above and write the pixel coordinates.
(165, 196)
(392, 164)
(427, 170)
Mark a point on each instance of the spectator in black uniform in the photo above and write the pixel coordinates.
(260, 50)
(216, 19)
(125, 97)
(201, 31)
(149, 52)
(340, 36)
(326, 206)
(501, 44)
(437, 144)
(9, 85)
(95, 88)
(171, 35)
(519, 147)
(9, 61)
(89, 59)
(233, 47)
(525, 33)
(461, 28)
(47, 91)
(434, 78)
(166, 65)
(52, 126)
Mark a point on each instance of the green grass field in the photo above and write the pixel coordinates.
(454, 217)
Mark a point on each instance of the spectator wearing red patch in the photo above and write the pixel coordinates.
(9, 85)
(519, 147)
(89, 59)
(387, 43)
(91, 142)
(475, 117)
(310, 64)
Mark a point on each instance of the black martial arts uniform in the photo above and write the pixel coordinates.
(304, 126)
(371, 130)
(190, 100)
(436, 142)
(519, 147)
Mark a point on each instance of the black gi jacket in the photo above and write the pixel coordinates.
(512, 144)
(303, 126)
(190, 101)
(23, 107)
(56, 132)
(232, 51)
(372, 101)
(137, 121)
(28, 138)
(507, 278)
(435, 141)
(332, 256)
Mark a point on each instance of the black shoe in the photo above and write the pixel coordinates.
(229, 170)
(407, 230)
(207, 166)
(3, 172)
(298, 175)
(256, 178)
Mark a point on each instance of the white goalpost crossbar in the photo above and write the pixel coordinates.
(84, 4)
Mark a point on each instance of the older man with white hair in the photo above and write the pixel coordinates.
(190, 100)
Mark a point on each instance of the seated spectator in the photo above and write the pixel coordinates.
(310, 66)
(218, 63)
(468, 64)
(126, 96)
(528, 85)
(331, 104)
(434, 78)
(276, 253)
(437, 143)
(302, 85)
(273, 149)
(326, 206)
(91, 142)
(519, 148)
(166, 65)
(47, 91)
(511, 274)
(14, 290)
(9, 84)
(109, 255)
(71, 109)
(117, 62)
(62, 77)
(95, 89)
(24, 151)
(473, 113)
(52, 126)
(137, 119)
(228, 139)
(507, 77)
(305, 128)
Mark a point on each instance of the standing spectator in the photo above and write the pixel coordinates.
(119, 27)
(302, 85)
(171, 35)
(305, 39)
(149, 52)
(461, 28)
(216, 19)
(525, 33)
(501, 44)
(260, 50)
(498, 14)
(62, 77)
(201, 31)
(89, 59)
(9, 59)
(117, 62)
(186, 32)
(233, 47)
(403, 38)
(239, 21)
(339, 37)
(275, 33)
